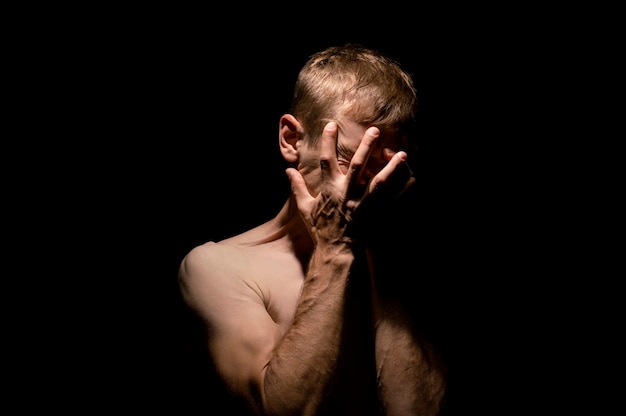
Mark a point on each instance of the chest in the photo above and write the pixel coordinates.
(280, 280)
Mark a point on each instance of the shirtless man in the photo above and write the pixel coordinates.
(296, 322)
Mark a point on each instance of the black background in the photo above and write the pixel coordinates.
(156, 130)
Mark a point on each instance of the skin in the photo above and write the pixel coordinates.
(288, 306)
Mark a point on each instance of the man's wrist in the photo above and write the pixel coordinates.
(334, 246)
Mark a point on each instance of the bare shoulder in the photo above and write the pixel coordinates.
(209, 260)
(208, 254)
(228, 275)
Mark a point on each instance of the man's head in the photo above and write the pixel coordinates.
(358, 88)
(356, 83)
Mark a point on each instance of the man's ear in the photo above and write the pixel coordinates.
(289, 132)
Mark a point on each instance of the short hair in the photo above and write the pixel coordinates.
(356, 82)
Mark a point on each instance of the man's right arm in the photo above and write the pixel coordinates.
(276, 373)
(305, 360)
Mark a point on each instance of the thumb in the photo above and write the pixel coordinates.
(298, 186)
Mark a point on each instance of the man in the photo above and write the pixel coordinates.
(299, 312)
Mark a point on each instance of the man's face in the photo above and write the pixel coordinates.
(349, 137)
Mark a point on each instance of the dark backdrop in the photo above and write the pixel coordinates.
(165, 136)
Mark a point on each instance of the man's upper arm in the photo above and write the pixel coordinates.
(241, 333)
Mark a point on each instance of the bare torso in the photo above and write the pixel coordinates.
(246, 289)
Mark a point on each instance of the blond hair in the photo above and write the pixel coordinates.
(354, 82)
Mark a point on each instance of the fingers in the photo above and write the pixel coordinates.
(362, 154)
(396, 171)
(397, 160)
(298, 186)
(328, 151)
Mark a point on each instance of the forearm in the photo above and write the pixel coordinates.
(411, 373)
(307, 356)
